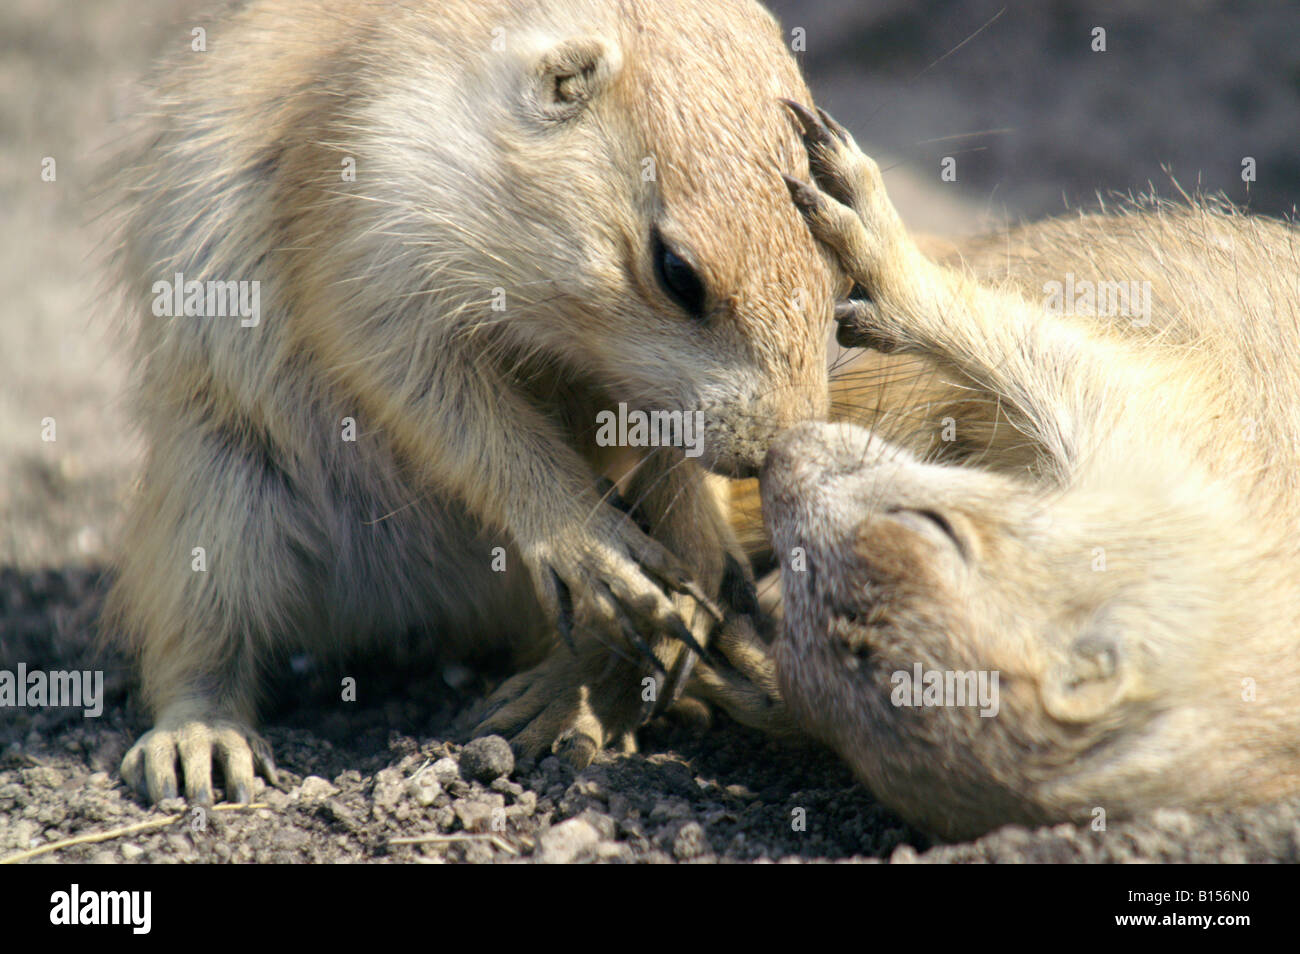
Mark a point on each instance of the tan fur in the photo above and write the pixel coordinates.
(516, 169)
(1132, 580)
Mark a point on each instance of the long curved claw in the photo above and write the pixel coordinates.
(829, 122)
(642, 647)
(814, 131)
(692, 589)
(564, 611)
(803, 194)
(855, 319)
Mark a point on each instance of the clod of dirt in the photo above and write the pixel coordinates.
(486, 759)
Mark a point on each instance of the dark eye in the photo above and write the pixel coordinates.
(678, 280)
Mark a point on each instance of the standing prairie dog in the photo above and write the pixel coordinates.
(471, 229)
(1133, 586)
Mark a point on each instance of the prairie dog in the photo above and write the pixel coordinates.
(1133, 586)
(471, 228)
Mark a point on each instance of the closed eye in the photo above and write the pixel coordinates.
(939, 521)
(678, 278)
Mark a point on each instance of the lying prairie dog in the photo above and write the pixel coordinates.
(1108, 542)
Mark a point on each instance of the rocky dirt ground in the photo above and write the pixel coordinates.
(386, 778)
(382, 780)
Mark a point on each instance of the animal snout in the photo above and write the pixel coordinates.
(808, 453)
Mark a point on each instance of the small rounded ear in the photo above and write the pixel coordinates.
(1091, 681)
(571, 74)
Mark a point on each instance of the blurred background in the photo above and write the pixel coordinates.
(1036, 120)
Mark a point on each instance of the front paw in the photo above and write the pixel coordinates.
(195, 745)
(847, 208)
(609, 581)
(847, 176)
